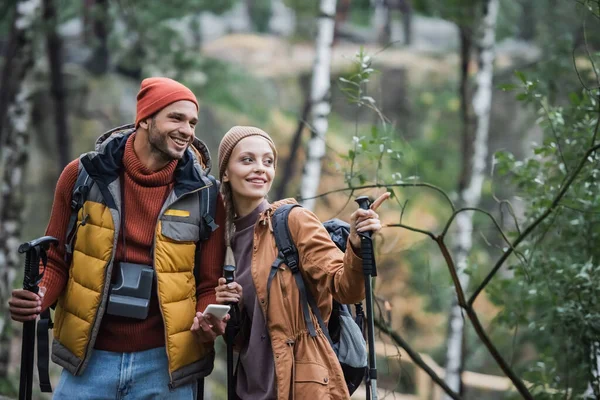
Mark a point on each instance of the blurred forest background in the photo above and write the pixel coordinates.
(453, 105)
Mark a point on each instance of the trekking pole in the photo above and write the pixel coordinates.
(369, 270)
(34, 251)
(230, 332)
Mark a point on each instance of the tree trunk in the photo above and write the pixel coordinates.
(96, 31)
(470, 190)
(527, 20)
(382, 20)
(341, 15)
(15, 131)
(593, 390)
(406, 20)
(320, 100)
(18, 58)
(289, 166)
(57, 84)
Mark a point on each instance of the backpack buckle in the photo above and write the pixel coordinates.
(210, 222)
(290, 260)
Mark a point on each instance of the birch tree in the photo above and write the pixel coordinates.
(470, 192)
(593, 389)
(14, 133)
(382, 20)
(320, 101)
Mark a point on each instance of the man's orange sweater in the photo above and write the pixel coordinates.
(144, 195)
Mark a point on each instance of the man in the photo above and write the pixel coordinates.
(141, 216)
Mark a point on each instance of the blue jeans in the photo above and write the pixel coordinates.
(139, 375)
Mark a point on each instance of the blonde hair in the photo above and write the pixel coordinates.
(227, 196)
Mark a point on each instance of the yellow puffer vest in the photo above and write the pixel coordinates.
(81, 306)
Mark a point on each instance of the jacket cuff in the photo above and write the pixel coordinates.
(353, 259)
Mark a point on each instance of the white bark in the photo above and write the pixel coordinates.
(14, 160)
(471, 194)
(320, 100)
(381, 20)
(595, 379)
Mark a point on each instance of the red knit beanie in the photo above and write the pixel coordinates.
(157, 93)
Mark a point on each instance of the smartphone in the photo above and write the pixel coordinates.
(218, 310)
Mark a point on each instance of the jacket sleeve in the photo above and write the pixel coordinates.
(328, 269)
(57, 271)
(210, 262)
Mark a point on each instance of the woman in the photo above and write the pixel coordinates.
(278, 357)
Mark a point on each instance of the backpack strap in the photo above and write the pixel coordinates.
(82, 187)
(288, 254)
(208, 207)
(43, 359)
(44, 324)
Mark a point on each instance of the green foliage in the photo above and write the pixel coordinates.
(303, 7)
(306, 12)
(156, 11)
(233, 87)
(260, 13)
(7, 388)
(462, 12)
(160, 36)
(554, 297)
(376, 148)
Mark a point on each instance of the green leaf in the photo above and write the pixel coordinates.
(508, 87)
(521, 96)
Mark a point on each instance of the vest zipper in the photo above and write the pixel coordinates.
(160, 308)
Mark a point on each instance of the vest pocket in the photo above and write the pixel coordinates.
(180, 231)
(311, 381)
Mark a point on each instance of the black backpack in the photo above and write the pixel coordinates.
(344, 332)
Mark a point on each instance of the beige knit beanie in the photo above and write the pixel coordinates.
(233, 137)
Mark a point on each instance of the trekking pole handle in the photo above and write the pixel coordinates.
(364, 202)
(228, 273)
(366, 243)
(34, 250)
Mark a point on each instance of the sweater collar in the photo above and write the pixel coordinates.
(250, 219)
(140, 174)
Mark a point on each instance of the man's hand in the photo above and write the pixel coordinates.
(207, 327)
(25, 305)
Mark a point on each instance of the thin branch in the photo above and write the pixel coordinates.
(468, 307)
(403, 207)
(587, 50)
(460, 293)
(553, 129)
(579, 210)
(511, 212)
(519, 385)
(427, 185)
(445, 231)
(531, 227)
(576, 68)
(345, 204)
(416, 358)
(410, 228)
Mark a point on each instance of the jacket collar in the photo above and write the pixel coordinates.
(265, 216)
(104, 165)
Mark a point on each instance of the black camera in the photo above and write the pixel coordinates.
(130, 295)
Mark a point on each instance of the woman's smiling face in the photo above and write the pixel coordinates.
(250, 171)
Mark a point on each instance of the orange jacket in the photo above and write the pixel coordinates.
(305, 367)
